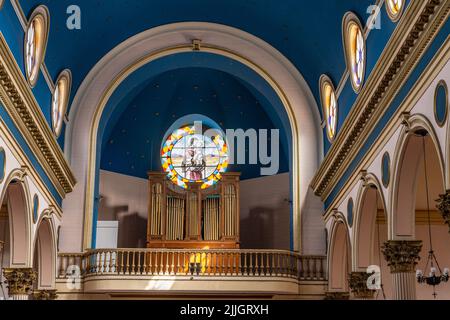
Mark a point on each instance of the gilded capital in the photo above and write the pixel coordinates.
(45, 294)
(402, 255)
(443, 205)
(20, 280)
(358, 285)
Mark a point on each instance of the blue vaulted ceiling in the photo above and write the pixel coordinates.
(308, 33)
(132, 139)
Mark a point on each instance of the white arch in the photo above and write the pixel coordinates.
(402, 222)
(103, 78)
(16, 188)
(339, 254)
(364, 221)
(44, 245)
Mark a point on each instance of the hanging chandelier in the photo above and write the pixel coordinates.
(435, 275)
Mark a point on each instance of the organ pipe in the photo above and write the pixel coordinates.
(193, 218)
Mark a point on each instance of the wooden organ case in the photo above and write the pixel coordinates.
(193, 218)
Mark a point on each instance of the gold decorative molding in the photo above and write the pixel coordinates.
(358, 284)
(196, 45)
(23, 108)
(20, 281)
(45, 294)
(419, 25)
(402, 255)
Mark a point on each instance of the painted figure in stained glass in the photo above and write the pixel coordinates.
(30, 48)
(190, 157)
(332, 113)
(358, 66)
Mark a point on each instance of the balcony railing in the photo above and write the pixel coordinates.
(160, 262)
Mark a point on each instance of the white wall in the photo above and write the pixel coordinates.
(125, 199)
(264, 209)
(265, 212)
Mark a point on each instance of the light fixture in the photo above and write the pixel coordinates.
(435, 276)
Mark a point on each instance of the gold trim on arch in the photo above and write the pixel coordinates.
(90, 181)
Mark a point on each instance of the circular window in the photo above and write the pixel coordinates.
(188, 157)
(35, 208)
(395, 9)
(355, 50)
(441, 103)
(350, 212)
(35, 43)
(329, 105)
(60, 100)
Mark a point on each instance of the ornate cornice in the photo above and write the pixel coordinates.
(20, 281)
(402, 255)
(420, 24)
(23, 108)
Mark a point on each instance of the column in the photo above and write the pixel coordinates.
(45, 294)
(443, 205)
(358, 285)
(402, 257)
(20, 282)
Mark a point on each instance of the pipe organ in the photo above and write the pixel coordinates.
(193, 218)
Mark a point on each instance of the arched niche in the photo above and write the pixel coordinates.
(45, 253)
(339, 257)
(17, 226)
(370, 213)
(408, 191)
